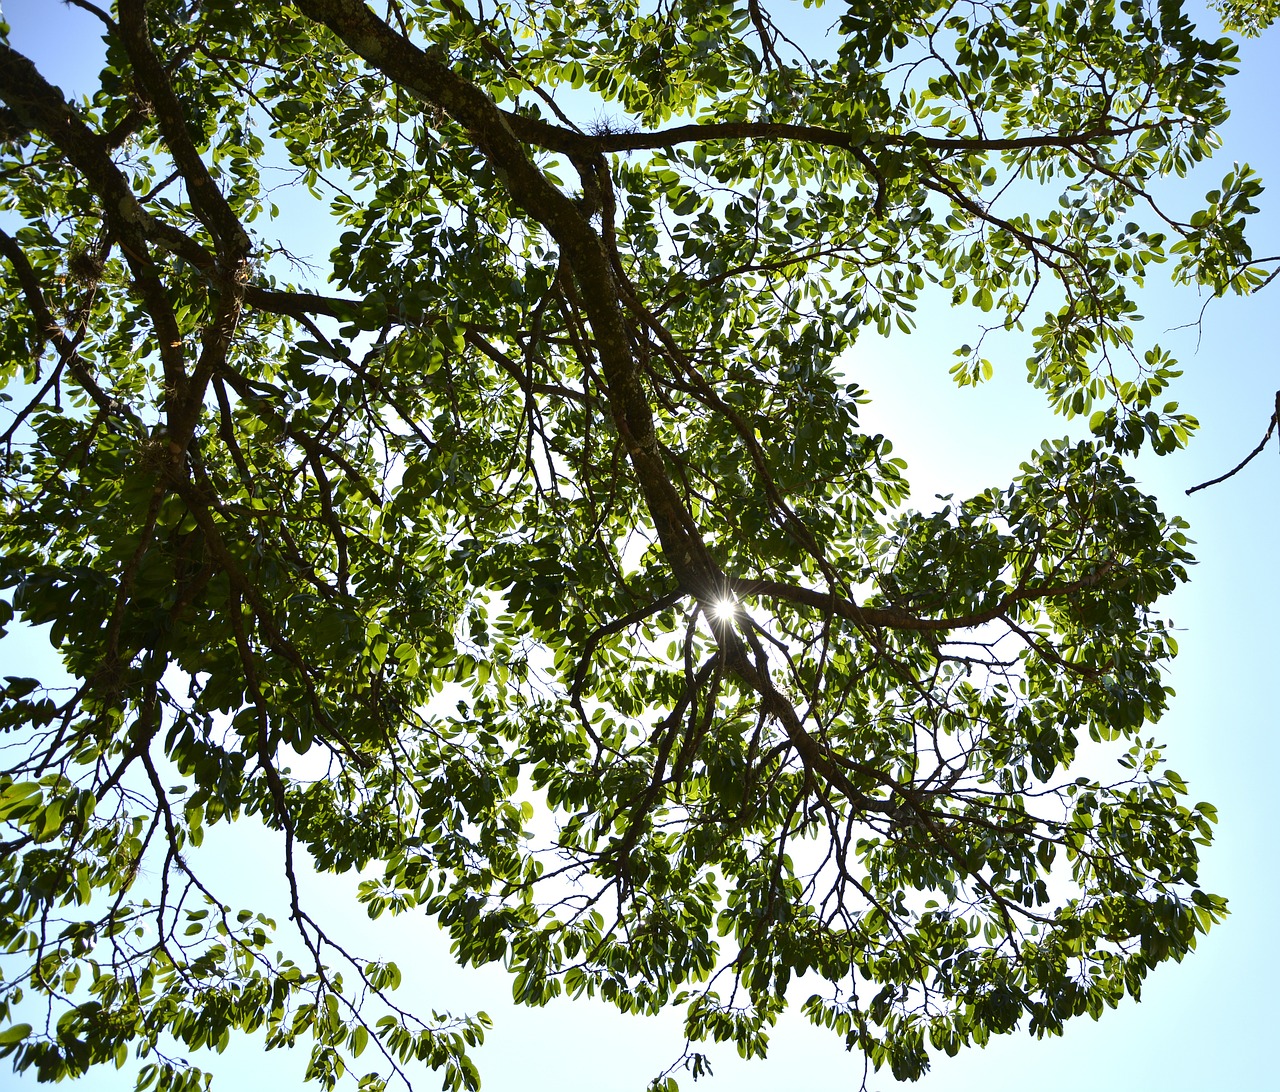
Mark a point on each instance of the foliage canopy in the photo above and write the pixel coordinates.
(544, 542)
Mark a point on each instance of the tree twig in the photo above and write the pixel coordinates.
(1248, 458)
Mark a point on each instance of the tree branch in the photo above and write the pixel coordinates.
(1271, 427)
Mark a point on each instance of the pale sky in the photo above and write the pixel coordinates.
(1205, 1025)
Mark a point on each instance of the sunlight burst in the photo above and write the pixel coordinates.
(725, 610)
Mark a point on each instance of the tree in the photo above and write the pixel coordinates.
(1249, 17)
(550, 538)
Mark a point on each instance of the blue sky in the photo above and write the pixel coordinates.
(1207, 1024)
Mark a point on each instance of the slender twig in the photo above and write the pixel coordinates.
(1271, 427)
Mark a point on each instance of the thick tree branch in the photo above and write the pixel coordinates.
(427, 75)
